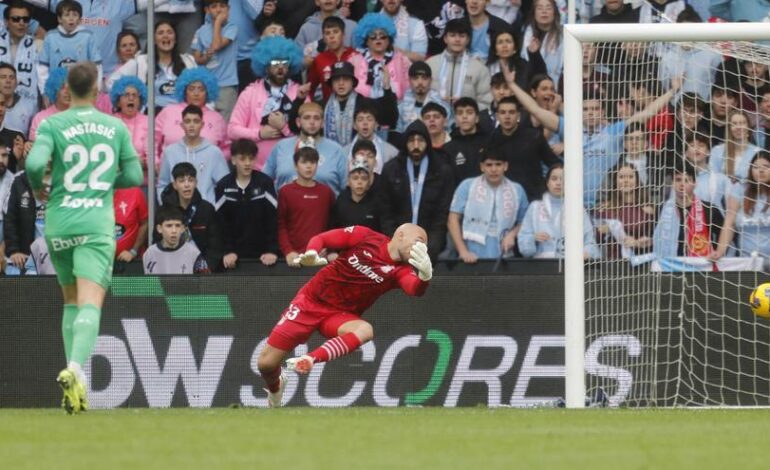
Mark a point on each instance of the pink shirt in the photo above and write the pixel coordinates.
(246, 119)
(398, 68)
(137, 127)
(168, 129)
(39, 118)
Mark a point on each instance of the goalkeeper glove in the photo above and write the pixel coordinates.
(311, 258)
(418, 257)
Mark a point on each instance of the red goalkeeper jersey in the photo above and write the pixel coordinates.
(363, 271)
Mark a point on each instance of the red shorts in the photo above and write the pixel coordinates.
(301, 318)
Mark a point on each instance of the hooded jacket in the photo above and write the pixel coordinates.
(168, 129)
(201, 221)
(311, 31)
(207, 160)
(475, 83)
(19, 220)
(394, 194)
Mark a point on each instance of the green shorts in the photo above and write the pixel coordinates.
(82, 256)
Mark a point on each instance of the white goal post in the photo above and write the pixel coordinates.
(574, 36)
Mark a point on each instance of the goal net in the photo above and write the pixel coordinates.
(676, 183)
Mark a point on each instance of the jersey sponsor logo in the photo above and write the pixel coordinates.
(365, 270)
(88, 128)
(349, 229)
(59, 244)
(78, 202)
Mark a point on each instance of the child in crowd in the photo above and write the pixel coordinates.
(174, 253)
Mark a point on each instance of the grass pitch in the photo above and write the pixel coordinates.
(425, 438)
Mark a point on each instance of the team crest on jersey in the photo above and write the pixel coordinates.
(387, 269)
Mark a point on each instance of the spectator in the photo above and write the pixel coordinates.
(503, 48)
(357, 204)
(6, 179)
(595, 74)
(247, 209)
(763, 120)
(643, 93)
(126, 47)
(194, 87)
(487, 211)
(130, 223)
(634, 63)
(484, 25)
(214, 47)
(304, 207)
(384, 64)
(67, 44)
(34, 25)
(365, 151)
(129, 97)
(434, 116)
(23, 223)
(687, 226)
(655, 11)
(291, 14)
(616, 11)
(19, 50)
(526, 149)
(688, 120)
(244, 13)
(410, 37)
(57, 94)
(435, 26)
(334, 51)
(710, 186)
(543, 91)
(625, 219)
(733, 157)
(743, 10)
(12, 139)
(542, 231)
(468, 142)
(754, 79)
(169, 64)
(262, 110)
(312, 31)
(331, 170)
(500, 89)
(723, 100)
(208, 159)
(340, 110)
(173, 253)
(544, 26)
(455, 73)
(200, 219)
(747, 213)
(418, 95)
(507, 10)
(365, 124)
(648, 164)
(417, 187)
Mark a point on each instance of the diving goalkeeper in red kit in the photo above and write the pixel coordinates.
(369, 264)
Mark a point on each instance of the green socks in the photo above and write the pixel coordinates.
(85, 330)
(70, 313)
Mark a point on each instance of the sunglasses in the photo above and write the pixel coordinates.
(376, 36)
(279, 63)
(22, 19)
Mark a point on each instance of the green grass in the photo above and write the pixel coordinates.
(426, 438)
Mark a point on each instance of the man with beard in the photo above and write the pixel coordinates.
(261, 113)
(411, 38)
(332, 165)
(417, 187)
(418, 94)
(13, 140)
(6, 178)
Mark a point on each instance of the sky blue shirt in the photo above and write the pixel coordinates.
(223, 64)
(332, 166)
(479, 46)
(753, 229)
(63, 50)
(242, 15)
(601, 151)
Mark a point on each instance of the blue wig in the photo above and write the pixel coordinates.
(371, 22)
(119, 89)
(56, 80)
(197, 74)
(276, 48)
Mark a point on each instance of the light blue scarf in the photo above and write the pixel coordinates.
(338, 124)
(484, 202)
(416, 189)
(665, 239)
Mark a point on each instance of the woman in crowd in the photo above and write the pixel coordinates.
(625, 220)
(733, 157)
(127, 46)
(747, 213)
(195, 86)
(129, 96)
(544, 26)
(505, 49)
(542, 232)
(374, 38)
(169, 64)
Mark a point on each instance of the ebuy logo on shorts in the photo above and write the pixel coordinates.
(59, 244)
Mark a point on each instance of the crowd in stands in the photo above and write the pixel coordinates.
(278, 119)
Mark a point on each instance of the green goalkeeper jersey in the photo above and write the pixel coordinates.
(91, 154)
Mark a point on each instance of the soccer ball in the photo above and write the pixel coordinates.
(760, 301)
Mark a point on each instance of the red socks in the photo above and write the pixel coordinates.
(336, 347)
(272, 379)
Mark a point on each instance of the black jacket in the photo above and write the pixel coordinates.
(7, 138)
(201, 221)
(526, 151)
(248, 217)
(394, 194)
(347, 212)
(19, 221)
(464, 152)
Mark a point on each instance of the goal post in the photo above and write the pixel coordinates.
(574, 36)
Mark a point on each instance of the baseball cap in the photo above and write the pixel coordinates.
(358, 165)
(342, 69)
(420, 68)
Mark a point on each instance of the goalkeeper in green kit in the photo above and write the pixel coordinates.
(90, 154)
